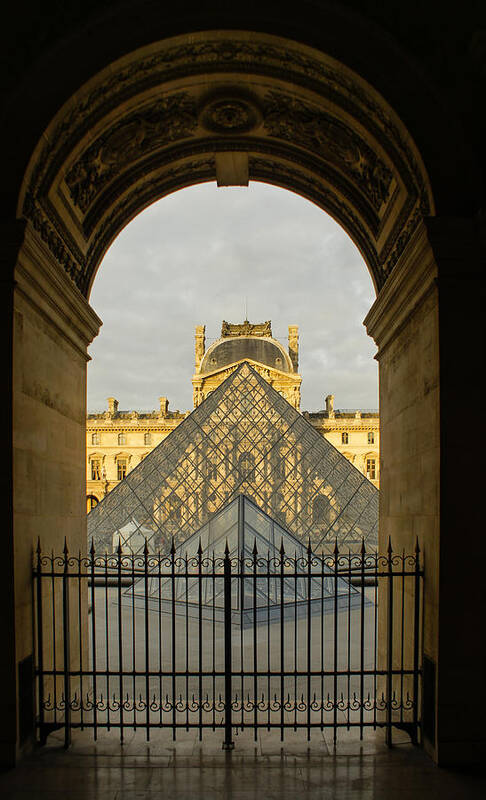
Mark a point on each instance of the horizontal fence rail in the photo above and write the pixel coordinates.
(228, 641)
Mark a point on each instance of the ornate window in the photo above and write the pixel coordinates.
(371, 468)
(122, 438)
(371, 437)
(345, 438)
(95, 469)
(121, 468)
(147, 438)
(95, 438)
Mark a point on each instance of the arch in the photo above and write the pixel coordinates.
(330, 114)
(223, 105)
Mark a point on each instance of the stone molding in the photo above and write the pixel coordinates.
(412, 280)
(51, 292)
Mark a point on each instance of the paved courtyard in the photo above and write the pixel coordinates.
(262, 770)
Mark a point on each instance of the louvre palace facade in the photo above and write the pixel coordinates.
(118, 440)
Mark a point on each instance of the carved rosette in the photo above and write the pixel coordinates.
(230, 113)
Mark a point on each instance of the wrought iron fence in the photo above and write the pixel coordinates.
(252, 640)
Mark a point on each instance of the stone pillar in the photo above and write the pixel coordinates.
(53, 326)
(294, 346)
(426, 324)
(330, 406)
(200, 344)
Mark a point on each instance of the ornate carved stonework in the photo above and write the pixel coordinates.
(168, 120)
(230, 113)
(291, 119)
(343, 145)
(246, 328)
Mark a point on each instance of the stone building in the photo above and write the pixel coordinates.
(116, 440)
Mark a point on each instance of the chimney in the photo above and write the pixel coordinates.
(330, 406)
(164, 406)
(294, 346)
(112, 406)
(200, 345)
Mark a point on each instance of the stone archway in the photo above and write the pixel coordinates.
(238, 107)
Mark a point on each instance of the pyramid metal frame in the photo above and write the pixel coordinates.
(244, 438)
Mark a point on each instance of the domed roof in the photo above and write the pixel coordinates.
(264, 350)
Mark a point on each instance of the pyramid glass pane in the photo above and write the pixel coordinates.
(244, 438)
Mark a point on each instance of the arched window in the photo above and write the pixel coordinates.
(91, 502)
(147, 438)
(95, 438)
(122, 438)
(345, 438)
(371, 437)
(95, 469)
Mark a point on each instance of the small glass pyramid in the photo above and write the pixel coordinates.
(257, 546)
(244, 438)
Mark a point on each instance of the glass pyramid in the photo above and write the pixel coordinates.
(244, 438)
(252, 538)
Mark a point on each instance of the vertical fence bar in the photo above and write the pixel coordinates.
(147, 642)
(120, 633)
(255, 654)
(416, 643)
(199, 636)
(80, 629)
(309, 610)
(173, 635)
(389, 677)
(107, 643)
(335, 702)
(93, 640)
(228, 743)
(361, 640)
(282, 655)
(66, 648)
(40, 644)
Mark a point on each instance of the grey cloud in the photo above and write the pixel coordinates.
(201, 255)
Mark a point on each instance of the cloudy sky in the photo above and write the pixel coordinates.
(205, 254)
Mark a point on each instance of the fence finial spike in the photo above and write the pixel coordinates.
(119, 548)
(255, 548)
(282, 549)
(417, 546)
(226, 549)
(309, 548)
(390, 551)
(199, 547)
(172, 547)
(39, 551)
(336, 548)
(363, 548)
(92, 548)
(65, 551)
(145, 547)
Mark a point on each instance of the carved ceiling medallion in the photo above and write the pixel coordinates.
(230, 114)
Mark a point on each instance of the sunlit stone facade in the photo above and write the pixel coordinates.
(116, 440)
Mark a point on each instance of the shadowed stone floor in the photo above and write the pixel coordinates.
(261, 770)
